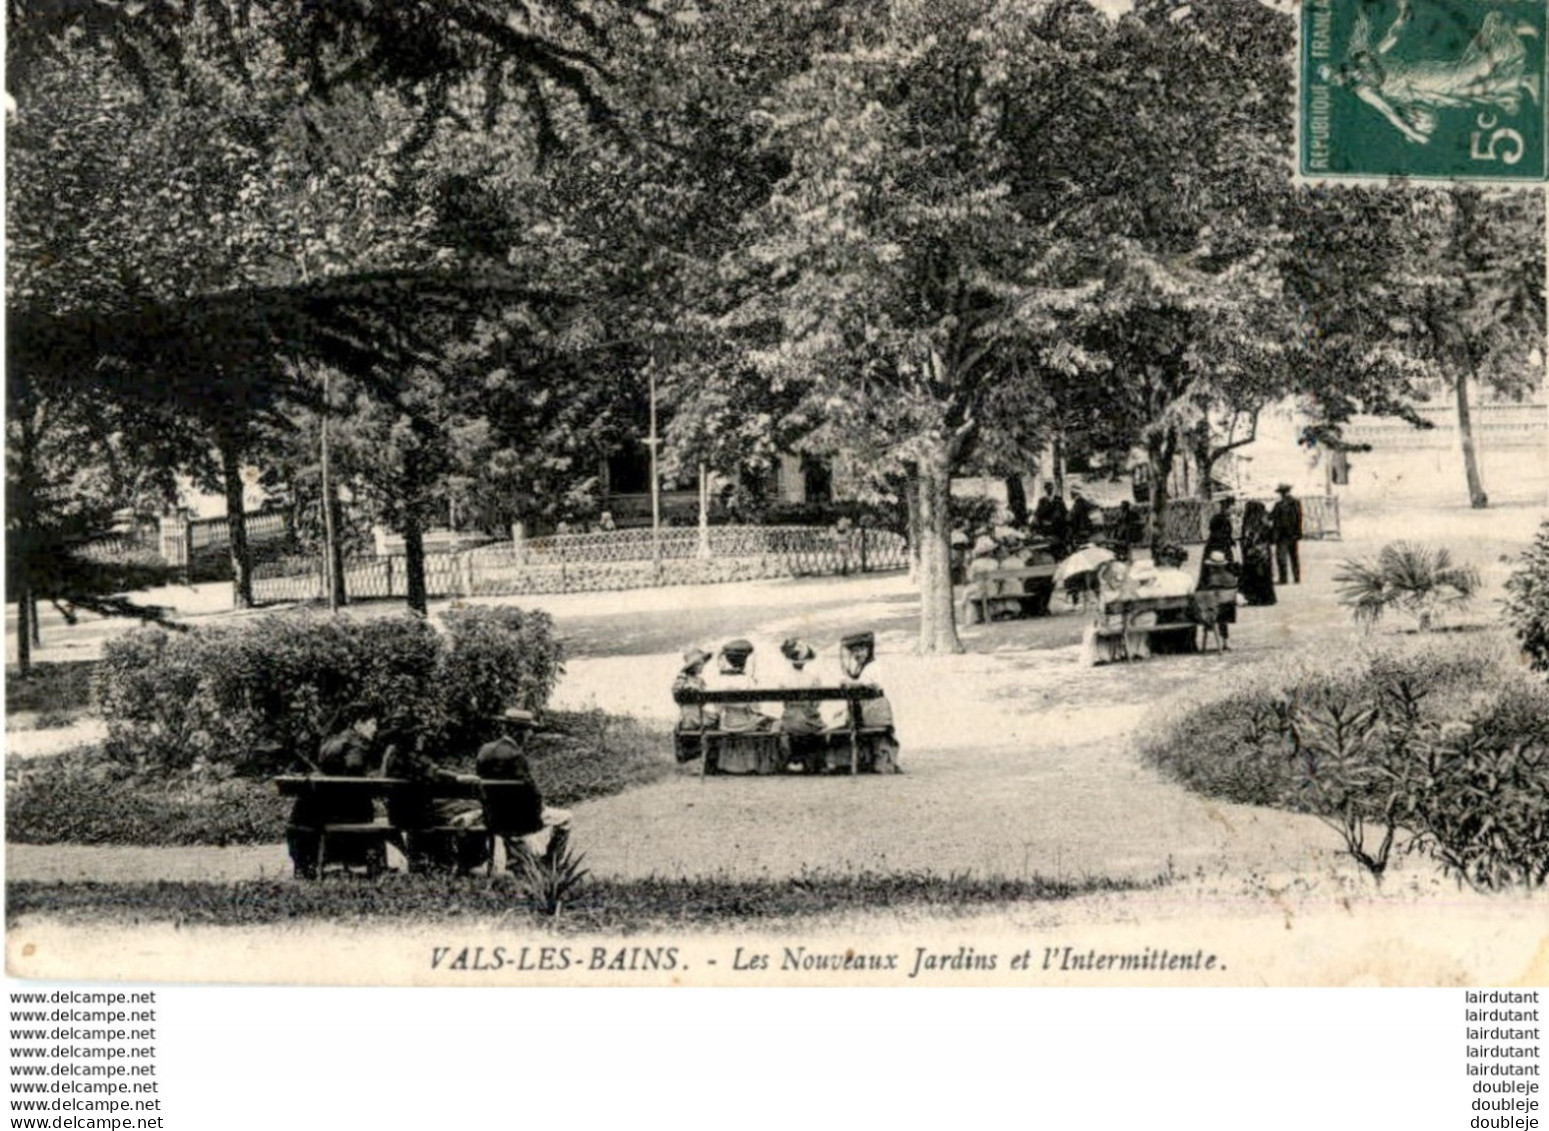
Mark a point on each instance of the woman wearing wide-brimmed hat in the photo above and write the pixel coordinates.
(879, 751)
(691, 716)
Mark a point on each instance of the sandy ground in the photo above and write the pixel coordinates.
(1019, 762)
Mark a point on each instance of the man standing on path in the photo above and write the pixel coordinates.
(1286, 522)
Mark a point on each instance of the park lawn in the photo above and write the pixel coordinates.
(624, 906)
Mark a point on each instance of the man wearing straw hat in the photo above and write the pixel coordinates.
(518, 812)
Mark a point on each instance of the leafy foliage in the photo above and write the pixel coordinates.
(265, 694)
(1391, 743)
(495, 657)
(1419, 580)
(1527, 601)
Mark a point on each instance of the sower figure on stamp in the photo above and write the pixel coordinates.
(1286, 520)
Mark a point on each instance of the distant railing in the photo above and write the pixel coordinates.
(1188, 520)
(615, 560)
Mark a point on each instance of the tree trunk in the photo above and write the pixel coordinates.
(1159, 460)
(912, 517)
(1476, 496)
(236, 526)
(23, 628)
(938, 625)
(338, 591)
(1016, 500)
(1203, 463)
(414, 562)
(33, 622)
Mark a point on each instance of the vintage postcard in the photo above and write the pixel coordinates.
(863, 492)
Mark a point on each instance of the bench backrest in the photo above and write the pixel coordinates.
(690, 696)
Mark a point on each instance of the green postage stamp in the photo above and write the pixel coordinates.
(1446, 89)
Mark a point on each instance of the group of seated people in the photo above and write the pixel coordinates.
(993, 550)
(435, 832)
(811, 734)
(1211, 592)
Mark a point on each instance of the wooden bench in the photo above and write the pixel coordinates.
(987, 587)
(1198, 608)
(372, 838)
(854, 695)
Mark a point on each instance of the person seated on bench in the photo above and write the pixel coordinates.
(1005, 597)
(735, 672)
(423, 819)
(878, 752)
(801, 722)
(518, 812)
(746, 742)
(691, 717)
(1217, 573)
(345, 754)
(1165, 577)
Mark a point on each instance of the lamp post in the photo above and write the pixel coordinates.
(656, 489)
(329, 581)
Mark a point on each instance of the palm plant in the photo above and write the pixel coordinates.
(1420, 580)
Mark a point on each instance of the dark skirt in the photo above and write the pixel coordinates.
(1257, 585)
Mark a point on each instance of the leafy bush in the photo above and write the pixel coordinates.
(1387, 742)
(150, 687)
(80, 797)
(1527, 601)
(1481, 801)
(1419, 580)
(256, 696)
(496, 657)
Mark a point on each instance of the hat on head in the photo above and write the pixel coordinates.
(738, 648)
(1284, 489)
(795, 649)
(517, 715)
(984, 546)
(959, 538)
(867, 640)
(694, 657)
(1216, 557)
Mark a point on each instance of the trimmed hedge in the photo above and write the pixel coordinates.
(254, 696)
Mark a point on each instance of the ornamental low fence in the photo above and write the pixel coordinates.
(586, 563)
(1188, 520)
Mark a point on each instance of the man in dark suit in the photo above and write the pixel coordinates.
(1285, 522)
(1051, 518)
